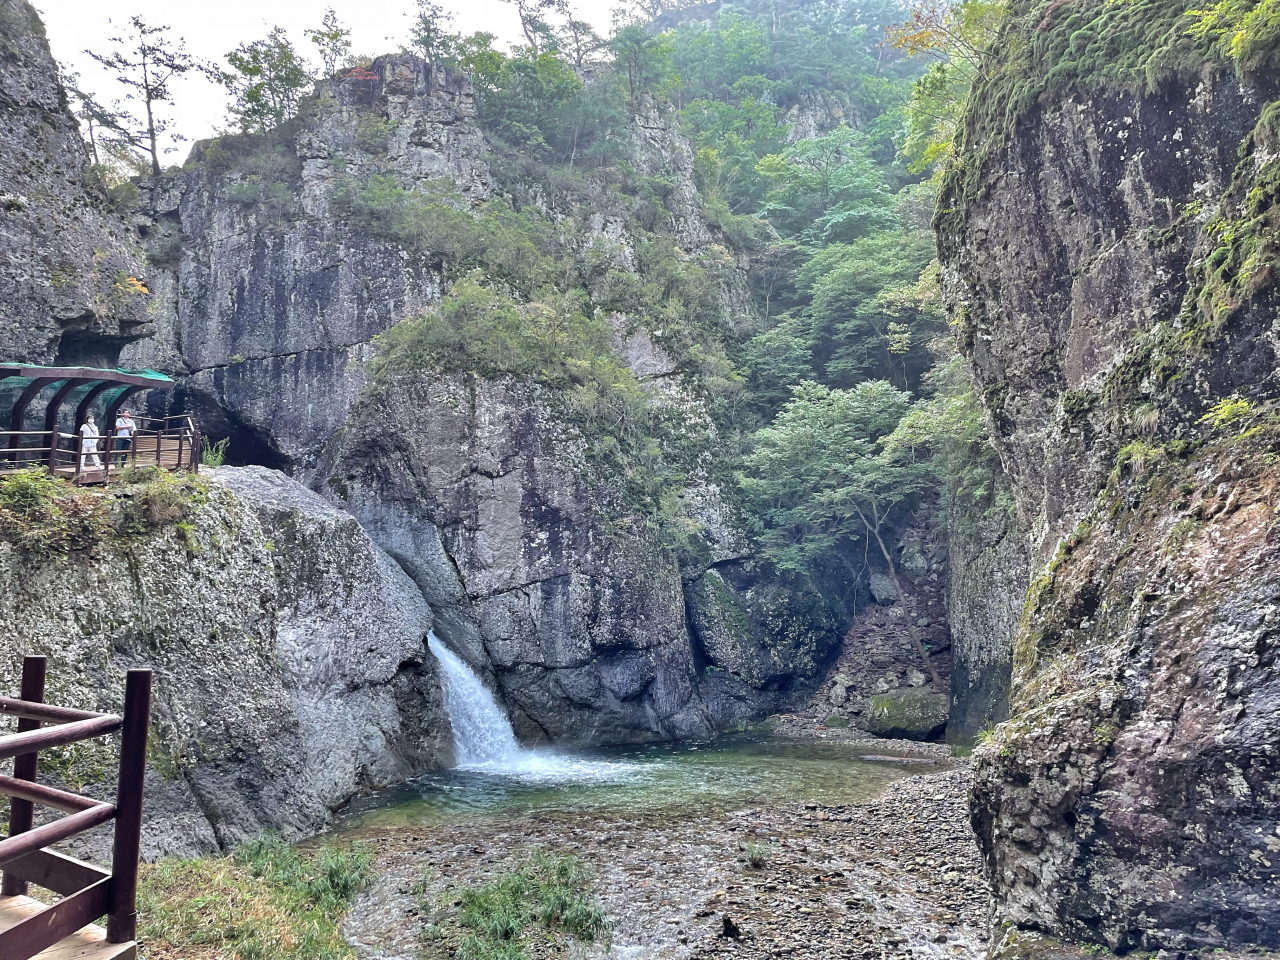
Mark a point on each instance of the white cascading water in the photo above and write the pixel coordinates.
(482, 734)
(483, 740)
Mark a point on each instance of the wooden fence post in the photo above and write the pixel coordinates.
(21, 812)
(122, 923)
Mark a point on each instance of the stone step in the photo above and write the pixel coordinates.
(87, 943)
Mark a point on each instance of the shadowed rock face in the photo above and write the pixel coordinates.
(1133, 798)
(64, 292)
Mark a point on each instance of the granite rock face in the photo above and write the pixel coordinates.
(987, 586)
(289, 651)
(1108, 258)
(66, 292)
(267, 301)
(477, 488)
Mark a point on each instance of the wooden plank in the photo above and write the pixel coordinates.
(90, 943)
(55, 871)
(43, 928)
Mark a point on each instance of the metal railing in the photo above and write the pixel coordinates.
(88, 892)
(172, 443)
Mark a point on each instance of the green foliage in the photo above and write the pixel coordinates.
(439, 225)
(1245, 31)
(41, 514)
(332, 41)
(820, 478)
(757, 854)
(214, 454)
(267, 79)
(267, 902)
(544, 893)
(555, 339)
(1228, 413)
(826, 189)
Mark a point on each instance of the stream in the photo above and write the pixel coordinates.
(868, 854)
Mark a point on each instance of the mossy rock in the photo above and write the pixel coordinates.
(911, 713)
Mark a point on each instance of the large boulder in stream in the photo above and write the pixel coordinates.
(909, 713)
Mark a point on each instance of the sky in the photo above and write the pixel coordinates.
(211, 28)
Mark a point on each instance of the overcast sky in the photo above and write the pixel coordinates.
(213, 27)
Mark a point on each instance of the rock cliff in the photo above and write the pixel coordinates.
(73, 288)
(478, 488)
(272, 280)
(1108, 245)
(289, 651)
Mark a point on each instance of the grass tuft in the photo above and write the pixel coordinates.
(266, 902)
(545, 892)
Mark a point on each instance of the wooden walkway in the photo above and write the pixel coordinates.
(89, 943)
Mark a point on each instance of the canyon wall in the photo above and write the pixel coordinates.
(66, 292)
(269, 289)
(1108, 239)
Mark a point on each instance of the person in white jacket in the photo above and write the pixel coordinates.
(89, 444)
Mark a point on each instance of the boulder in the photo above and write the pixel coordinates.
(910, 713)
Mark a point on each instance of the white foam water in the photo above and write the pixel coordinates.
(484, 742)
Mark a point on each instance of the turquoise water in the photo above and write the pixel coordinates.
(738, 770)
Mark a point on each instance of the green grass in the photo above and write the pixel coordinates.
(544, 895)
(757, 854)
(266, 902)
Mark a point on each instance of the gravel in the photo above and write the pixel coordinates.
(894, 877)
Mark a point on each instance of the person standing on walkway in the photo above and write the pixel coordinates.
(89, 444)
(125, 429)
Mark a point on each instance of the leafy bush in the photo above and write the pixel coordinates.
(214, 454)
(41, 514)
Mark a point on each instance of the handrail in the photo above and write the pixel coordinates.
(50, 833)
(48, 796)
(89, 892)
(44, 711)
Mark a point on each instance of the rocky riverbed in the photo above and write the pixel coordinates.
(894, 877)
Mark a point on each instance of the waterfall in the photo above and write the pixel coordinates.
(484, 742)
(482, 734)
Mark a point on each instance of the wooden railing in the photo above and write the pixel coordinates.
(88, 892)
(172, 443)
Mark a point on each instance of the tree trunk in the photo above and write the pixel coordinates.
(151, 137)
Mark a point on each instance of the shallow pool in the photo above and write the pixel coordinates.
(737, 770)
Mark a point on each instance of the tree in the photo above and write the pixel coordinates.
(823, 478)
(827, 189)
(333, 42)
(644, 60)
(430, 33)
(145, 62)
(267, 79)
(533, 22)
(958, 36)
(98, 120)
